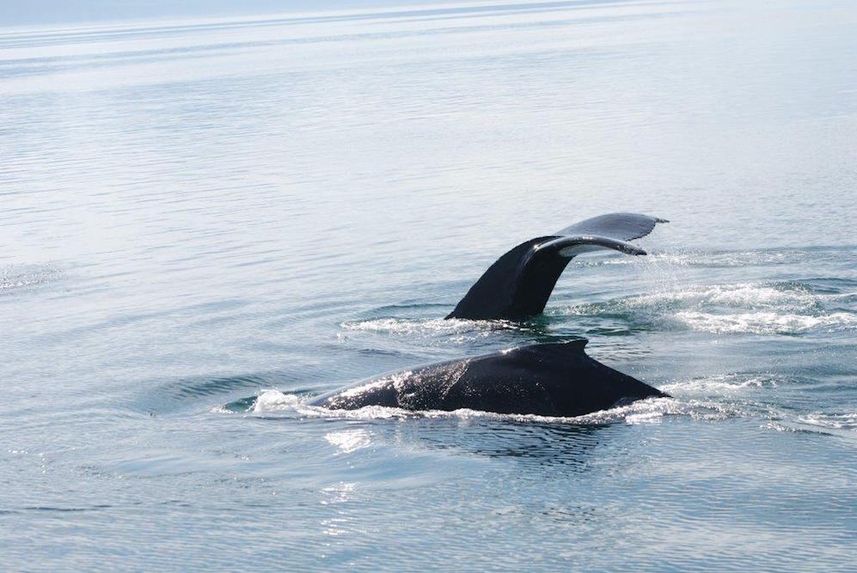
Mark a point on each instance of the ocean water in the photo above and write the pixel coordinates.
(204, 223)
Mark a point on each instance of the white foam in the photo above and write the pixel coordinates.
(437, 326)
(695, 259)
(754, 308)
(655, 409)
(651, 410)
(846, 421)
(741, 295)
(764, 322)
(222, 409)
(760, 307)
(725, 383)
(275, 401)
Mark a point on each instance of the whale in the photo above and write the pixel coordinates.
(518, 285)
(549, 379)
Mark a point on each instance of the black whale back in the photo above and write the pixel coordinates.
(556, 379)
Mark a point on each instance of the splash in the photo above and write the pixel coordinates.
(726, 259)
(842, 425)
(765, 322)
(275, 402)
(752, 295)
(827, 421)
(723, 384)
(436, 326)
(712, 399)
(755, 308)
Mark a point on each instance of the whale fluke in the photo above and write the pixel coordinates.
(517, 286)
(624, 226)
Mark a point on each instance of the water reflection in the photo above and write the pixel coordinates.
(529, 442)
(348, 441)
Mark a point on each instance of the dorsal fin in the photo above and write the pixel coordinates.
(518, 285)
(576, 343)
(565, 347)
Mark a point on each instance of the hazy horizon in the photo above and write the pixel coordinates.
(54, 12)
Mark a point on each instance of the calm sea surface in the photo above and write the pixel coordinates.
(205, 223)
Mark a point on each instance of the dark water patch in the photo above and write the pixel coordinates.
(215, 386)
(595, 325)
(240, 405)
(528, 442)
(373, 352)
(830, 285)
(63, 510)
(190, 393)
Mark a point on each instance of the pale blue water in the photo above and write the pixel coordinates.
(204, 223)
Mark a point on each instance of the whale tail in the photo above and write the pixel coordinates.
(518, 285)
